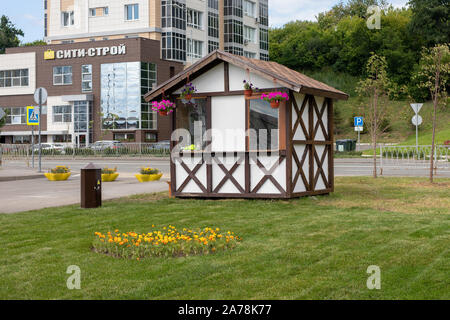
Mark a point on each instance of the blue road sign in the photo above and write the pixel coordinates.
(359, 121)
(32, 116)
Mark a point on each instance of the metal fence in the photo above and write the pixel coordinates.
(415, 157)
(123, 151)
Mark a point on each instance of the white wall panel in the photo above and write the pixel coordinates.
(181, 174)
(211, 81)
(228, 123)
(16, 61)
(238, 75)
(300, 186)
(299, 134)
(320, 134)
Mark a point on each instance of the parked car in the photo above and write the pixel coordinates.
(105, 144)
(162, 145)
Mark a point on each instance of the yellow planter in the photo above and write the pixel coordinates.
(57, 176)
(109, 177)
(148, 177)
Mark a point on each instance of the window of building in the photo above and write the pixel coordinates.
(98, 12)
(233, 8)
(16, 115)
(45, 25)
(127, 137)
(263, 126)
(195, 19)
(249, 35)
(213, 25)
(213, 4)
(195, 48)
(14, 78)
(21, 139)
(82, 112)
(123, 86)
(62, 138)
(173, 46)
(233, 31)
(67, 18)
(148, 82)
(212, 45)
(193, 120)
(264, 39)
(131, 12)
(62, 75)
(62, 114)
(264, 13)
(264, 56)
(151, 137)
(86, 78)
(251, 55)
(249, 8)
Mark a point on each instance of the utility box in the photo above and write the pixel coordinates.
(91, 186)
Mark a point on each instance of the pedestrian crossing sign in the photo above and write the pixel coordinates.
(32, 116)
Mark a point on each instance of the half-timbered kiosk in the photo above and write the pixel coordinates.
(249, 149)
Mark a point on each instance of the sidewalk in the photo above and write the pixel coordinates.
(14, 174)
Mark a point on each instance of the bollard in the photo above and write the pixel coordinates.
(91, 186)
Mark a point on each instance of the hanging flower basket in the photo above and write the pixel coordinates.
(248, 88)
(188, 90)
(164, 107)
(274, 98)
(275, 104)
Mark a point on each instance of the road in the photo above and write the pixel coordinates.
(17, 196)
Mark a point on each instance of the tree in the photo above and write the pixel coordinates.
(34, 43)
(375, 87)
(8, 34)
(433, 74)
(430, 21)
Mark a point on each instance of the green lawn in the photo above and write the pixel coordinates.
(309, 248)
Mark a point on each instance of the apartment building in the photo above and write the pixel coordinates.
(187, 29)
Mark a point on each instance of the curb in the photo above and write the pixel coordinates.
(17, 178)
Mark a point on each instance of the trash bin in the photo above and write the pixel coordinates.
(340, 145)
(345, 145)
(91, 186)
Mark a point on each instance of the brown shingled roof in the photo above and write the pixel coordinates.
(271, 70)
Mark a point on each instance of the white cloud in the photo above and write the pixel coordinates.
(283, 11)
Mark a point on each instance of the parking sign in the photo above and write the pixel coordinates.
(32, 116)
(359, 122)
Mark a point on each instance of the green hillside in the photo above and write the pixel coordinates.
(400, 114)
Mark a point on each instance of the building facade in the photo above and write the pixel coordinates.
(188, 29)
(95, 91)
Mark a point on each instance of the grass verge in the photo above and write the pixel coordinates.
(309, 248)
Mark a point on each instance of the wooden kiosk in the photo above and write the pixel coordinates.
(294, 156)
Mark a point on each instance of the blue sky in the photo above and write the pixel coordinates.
(28, 14)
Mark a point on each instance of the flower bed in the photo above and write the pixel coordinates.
(109, 174)
(59, 173)
(148, 174)
(169, 242)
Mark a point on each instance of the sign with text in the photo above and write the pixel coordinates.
(32, 116)
(83, 52)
